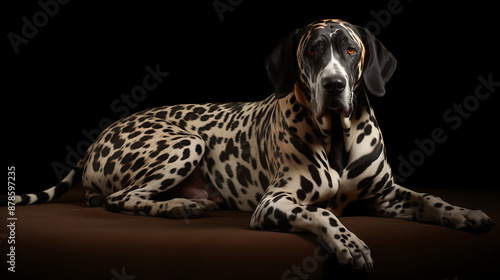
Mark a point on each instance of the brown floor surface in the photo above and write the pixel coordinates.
(67, 240)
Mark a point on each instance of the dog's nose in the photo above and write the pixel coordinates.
(334, 84)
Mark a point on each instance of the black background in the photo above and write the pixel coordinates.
(64, 80)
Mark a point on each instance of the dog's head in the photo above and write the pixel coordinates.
(329, 59)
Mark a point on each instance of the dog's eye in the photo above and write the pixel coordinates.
(351, 50)
(311, 52)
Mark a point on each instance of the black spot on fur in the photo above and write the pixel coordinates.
(243, 175)
(311, 209)
(368, 129)
(166, 183)
(116, 155)
(117, 141)
(301, 194)
(183, 171)
(185, 154)
(232, 188)
(136, 145)
(190, 116)
(232, 203)
(315, 174)
(230, 150)
(283, 221)
(129, 158)
(138, 164)
(304, 149)
(306, 185)
(198, 149)
(359, 165)
(308, 137)
(173, 159)
(162, 158)
(264, 182)
(360, 138)
(251, 204)
(296, 159)
(315, 196)
(182, 144)
(105, 151)
(133, 135)
(229, 171)
(109, 167)
(333, 222)
(96, 165)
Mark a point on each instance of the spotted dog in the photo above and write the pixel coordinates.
(296, 159)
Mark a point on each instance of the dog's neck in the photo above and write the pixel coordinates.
(334, 127)
(333, 118)
(323, 124)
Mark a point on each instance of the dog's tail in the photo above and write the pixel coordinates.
(49, 194)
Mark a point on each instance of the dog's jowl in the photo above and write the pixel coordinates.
(296, 159)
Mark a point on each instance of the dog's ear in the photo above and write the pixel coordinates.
(379, 63)
(281, 65)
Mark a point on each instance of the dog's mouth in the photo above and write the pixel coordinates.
(321, 103)
(346, 111)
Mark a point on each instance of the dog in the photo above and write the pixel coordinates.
(296, 159)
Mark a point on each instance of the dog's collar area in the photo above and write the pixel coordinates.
(304, 96)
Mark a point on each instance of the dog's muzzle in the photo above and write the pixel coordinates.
(333, 93)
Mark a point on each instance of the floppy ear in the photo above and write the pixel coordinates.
(281, 65)
(379, 64)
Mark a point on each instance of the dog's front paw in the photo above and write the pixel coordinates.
(475, 221)
(180, 208)
(351, 251)
(207, 205)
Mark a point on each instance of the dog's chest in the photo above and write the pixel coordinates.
(366, 169)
